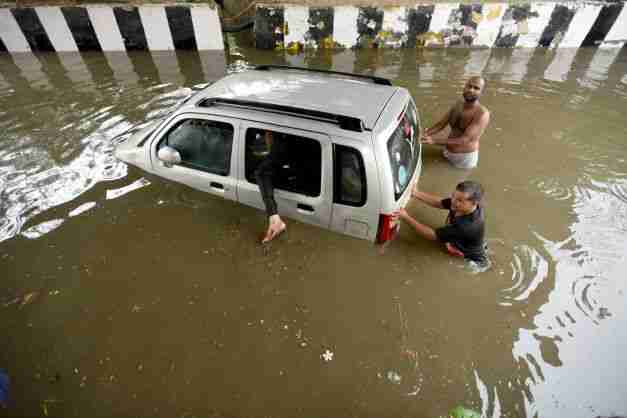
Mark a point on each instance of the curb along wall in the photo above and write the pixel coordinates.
(479, 25)
(110, 28)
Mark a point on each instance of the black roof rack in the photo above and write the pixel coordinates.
(349, 123)
(376, 80)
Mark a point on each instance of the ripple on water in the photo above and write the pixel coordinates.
(529, 269)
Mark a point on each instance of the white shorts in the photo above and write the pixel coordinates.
(462, 159)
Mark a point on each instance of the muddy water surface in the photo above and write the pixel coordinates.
(126, 295)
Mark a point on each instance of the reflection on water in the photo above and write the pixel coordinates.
(176, 293)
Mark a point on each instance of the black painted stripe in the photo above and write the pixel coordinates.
(558, 24)
(419, 20)
(82, 30)
(321, 25)
(131, 28)
(190, 66)
(603, 24)
(145, 68)
(32, 29)
(365, 30)
(98, 66)
(3, 47)
(55, 71)
(269, 23)
(181, 27)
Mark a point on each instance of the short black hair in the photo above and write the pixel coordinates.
(472, 189)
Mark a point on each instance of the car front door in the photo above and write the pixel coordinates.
(207, 147)
(301, 172)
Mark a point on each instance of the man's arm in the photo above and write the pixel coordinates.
(441, 124)
(422, 230)
(472, 133)
(428, 198)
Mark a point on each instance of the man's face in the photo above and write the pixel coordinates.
(460, 203)
(472, 90)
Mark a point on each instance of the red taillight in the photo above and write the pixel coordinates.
(388, 228)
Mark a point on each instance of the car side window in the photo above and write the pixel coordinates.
(350, 177)
(203, 145)
(296, 160)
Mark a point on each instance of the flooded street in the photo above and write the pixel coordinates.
(126, 295)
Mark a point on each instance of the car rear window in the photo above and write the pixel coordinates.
(404, 150)
(350, 177)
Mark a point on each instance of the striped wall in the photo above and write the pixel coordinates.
(110, 28)
(480, 25)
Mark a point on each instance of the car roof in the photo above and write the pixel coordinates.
(334, 93)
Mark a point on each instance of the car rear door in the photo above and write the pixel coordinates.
(208, 148)
(302, 173)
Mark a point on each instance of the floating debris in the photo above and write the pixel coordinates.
(327, 355)
(394, 377)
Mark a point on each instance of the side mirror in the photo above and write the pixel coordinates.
(169, 156)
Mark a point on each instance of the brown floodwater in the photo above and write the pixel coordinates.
(125, 295)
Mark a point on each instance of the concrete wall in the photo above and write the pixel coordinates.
(487, 25)
(110, 28)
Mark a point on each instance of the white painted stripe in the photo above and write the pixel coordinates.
(296, 18)
(395, 20)
(477, 62)
(580, 25)
(345, 25)
(617, 35)
(601, 63)
(56, 28)
(122, 67)
(441, 14)
(11, 33)
(156, 28)
(344, 61)
(560, 66)
(207, 28)
(213, 64)
(167, 66)
(106, 28)
(516, 69)
(531, 30)
(488, 28)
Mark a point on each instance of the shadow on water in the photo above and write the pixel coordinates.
(128, 295)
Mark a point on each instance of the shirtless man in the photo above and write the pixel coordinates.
(467, 119)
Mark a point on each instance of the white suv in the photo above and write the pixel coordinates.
(352, 145)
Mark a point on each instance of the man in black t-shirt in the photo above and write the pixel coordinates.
(264, 176)
(463, 233)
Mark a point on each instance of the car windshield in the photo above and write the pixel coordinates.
(404, 149)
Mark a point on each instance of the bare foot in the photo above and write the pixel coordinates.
(275, 228)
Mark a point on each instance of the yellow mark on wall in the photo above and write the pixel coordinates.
(495, 12)
(428, 38)
(477, 17)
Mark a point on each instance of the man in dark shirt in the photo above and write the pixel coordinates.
(264, 176)
(463, 233)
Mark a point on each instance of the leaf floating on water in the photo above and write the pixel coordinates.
(28, 298)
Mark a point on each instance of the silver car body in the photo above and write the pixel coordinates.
(378, 107)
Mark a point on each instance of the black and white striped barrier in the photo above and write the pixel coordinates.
(483, 25)
(110, 28)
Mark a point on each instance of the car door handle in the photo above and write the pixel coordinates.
(216, 185)
(305, 208)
